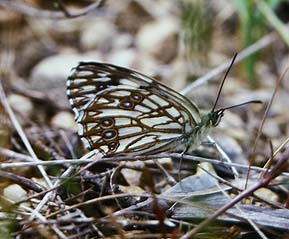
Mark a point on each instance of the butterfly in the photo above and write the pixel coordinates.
(120, 111)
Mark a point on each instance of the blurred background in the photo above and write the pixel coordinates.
(176, 42)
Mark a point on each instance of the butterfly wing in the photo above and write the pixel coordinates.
(121, 111)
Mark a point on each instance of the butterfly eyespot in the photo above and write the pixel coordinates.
(126, 104)
(112, 146)
(101, 87)
(107, 123)
(109, 134)
(136, 97)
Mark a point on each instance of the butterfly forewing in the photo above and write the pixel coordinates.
(120, 111)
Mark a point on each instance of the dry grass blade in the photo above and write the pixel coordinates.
(278, 84)
(21, 133)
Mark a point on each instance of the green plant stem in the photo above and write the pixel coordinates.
(274, 20)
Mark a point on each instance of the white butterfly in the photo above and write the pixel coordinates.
(122, 112)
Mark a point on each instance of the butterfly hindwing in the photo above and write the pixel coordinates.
(121, 111)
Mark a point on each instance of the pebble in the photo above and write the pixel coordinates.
(21, 104)
(124, 57)
(53, 71)
(64, 120)
(98, 34)
(132, 176)
(49, 76)
(14, 192)
(164, 34)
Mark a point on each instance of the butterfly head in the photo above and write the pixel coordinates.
(215, 117)
(212, 119)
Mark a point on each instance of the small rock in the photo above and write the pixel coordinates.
(53, 71)
(14, 193)
(164, 45)
(131, 189)
(271, 128)
(125, 57)
(231, 147)
(21, 104)
(130, 17)
(147, 64)
(98, 34)
(49, 76)
(64, 120)
(122, 41)
(133, 176)
(7, 18)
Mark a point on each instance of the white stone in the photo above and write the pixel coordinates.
(53, 71)
(125, 57)
(159, 38)
(64, 120)
(133, 177)
(21, 104)
(98, 34)
(14, 192)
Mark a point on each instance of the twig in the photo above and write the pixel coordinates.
(226, 194)
(44, 220)
(56, 184)
(281, 165)
(64, 175)
(24, 182)
(48, 195)
(31, 11)
(12, 154)
(224, 156)
(86, 160)
(170, 179)
(278, 83)
(21, 133)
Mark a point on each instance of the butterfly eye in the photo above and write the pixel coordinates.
(107, 123)
(215, 117)
(126, 103)
(109, 134)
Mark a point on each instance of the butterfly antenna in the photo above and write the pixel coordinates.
(244, 103)
(223, 81)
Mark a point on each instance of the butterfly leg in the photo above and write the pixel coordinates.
(224, 157)
(181, 160)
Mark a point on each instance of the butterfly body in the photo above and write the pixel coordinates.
(122, 112)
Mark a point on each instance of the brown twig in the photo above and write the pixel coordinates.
(281, 165)
(24, 182)
(278, 83)
(91, 161)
